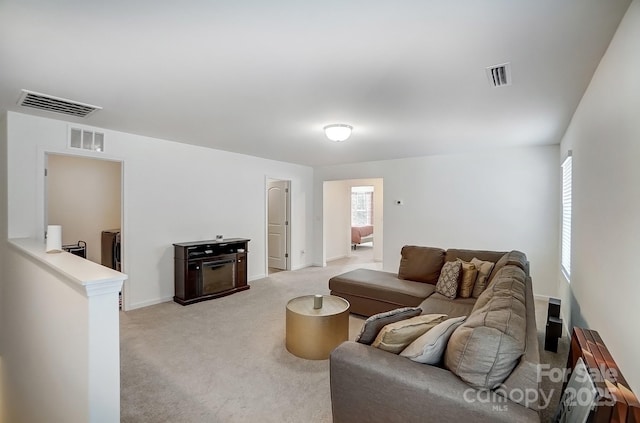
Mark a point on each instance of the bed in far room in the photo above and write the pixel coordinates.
(361, 234)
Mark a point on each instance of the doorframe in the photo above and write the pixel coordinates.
(41, 202)
(288, 228)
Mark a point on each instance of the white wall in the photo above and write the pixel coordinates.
(500, 200)
(31, 379)
(337, 221)
(83, 195)
(173, 192)
(61, 357)
(604, 136)
(337, 217)
(3, 246)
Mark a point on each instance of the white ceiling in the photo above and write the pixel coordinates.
(263, 77)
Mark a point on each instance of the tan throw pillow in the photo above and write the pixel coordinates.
(484, 270)
(448, 281)
(396, 336)
(375, 323)
(468, 279)
(429, 347)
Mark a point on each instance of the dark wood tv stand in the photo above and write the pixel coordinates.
(204, 270)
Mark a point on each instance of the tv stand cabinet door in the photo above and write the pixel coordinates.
(241, 270)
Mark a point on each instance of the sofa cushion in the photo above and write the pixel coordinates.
(508, 273)
(429, 347)
(484, 270)
(375, 323)
(421, 264)
(468, 279)
(454, 254)
(511, 272)
(383, 286)
(484, 350)
(438, 303)
(395, 337)
(515, 258)
(525, 377)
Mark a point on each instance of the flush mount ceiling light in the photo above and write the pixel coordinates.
(338, 131)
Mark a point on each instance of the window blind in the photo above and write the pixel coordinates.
(566, 216)
(361, 206)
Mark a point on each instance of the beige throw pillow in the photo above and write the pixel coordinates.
(429, 347)
(484, 270)
(468, 279)
(396, 336)
(448, 281)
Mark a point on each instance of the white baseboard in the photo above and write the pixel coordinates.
(302, 266)
(565, 327)
(338, 257)
(541, 297)
(567, 333)
(149, 303)
(256, 277)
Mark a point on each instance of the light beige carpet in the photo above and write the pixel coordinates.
(224, 360)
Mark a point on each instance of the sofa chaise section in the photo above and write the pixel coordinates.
(372, 291)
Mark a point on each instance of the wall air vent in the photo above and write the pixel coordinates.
(55, 104)
(499, 75)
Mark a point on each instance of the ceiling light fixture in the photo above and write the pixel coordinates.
(338, 131)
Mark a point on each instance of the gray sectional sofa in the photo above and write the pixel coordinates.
(489, 372)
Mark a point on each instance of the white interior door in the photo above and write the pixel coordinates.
(277, 222)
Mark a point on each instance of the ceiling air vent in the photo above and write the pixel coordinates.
(499, 75)
(55, 104)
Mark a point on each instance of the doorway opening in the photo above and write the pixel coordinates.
(353, 220)
(84, 195)
(362, 203)
(278, 225)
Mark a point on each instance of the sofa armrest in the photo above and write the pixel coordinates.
(371, 385)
